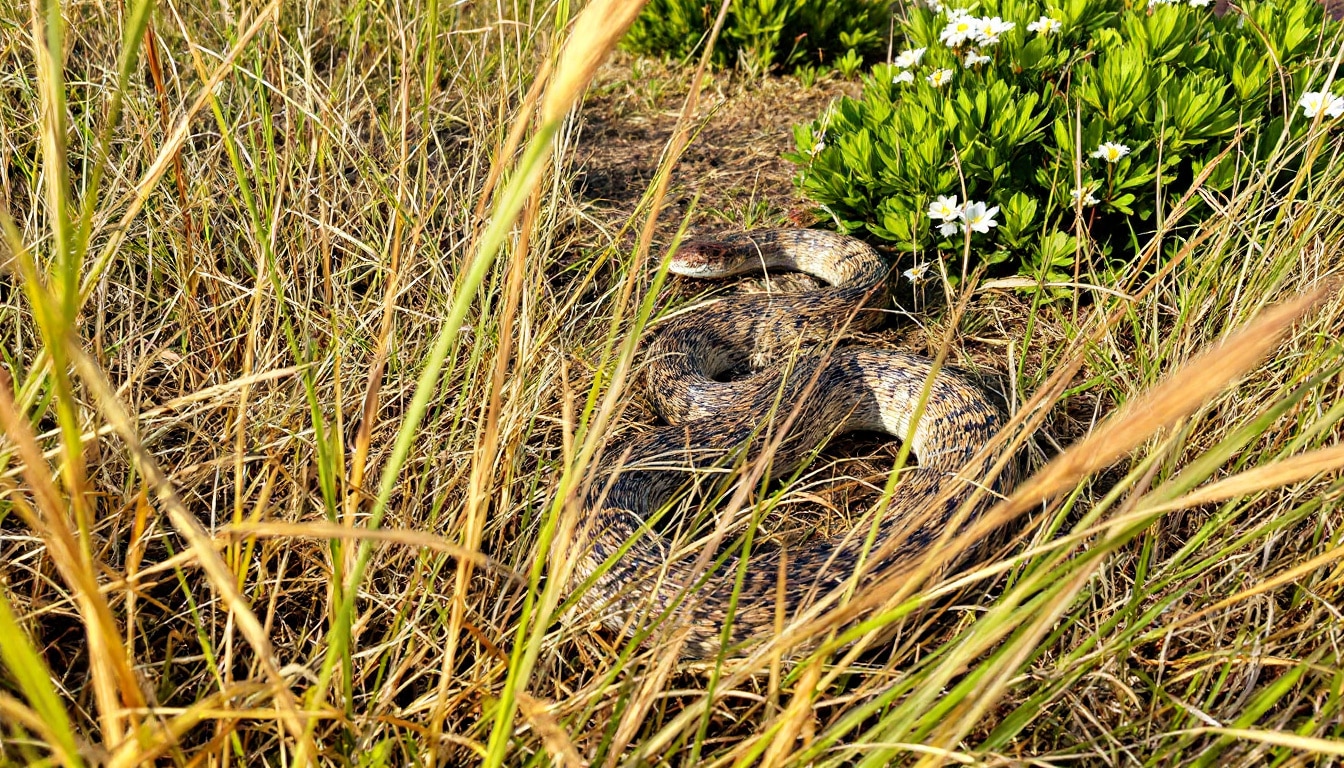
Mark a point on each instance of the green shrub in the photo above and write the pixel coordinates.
(764, 34)
(1060, 116)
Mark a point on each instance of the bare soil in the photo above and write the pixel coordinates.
(734, 164)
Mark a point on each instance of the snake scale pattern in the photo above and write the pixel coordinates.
(636, 573)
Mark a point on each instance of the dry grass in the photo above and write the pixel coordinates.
(312, 346)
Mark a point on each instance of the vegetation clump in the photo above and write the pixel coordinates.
(1069, 117)
(761, 35)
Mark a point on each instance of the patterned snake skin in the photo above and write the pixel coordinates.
(711, 422)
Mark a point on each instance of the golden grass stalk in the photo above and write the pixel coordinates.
(595, 33)
(404, 537)
(198, 539)
(162, 733)
(1263, 478)
(115, 683)
(144, 188)
(1287, 577)
(1308, 745)
(591, 39)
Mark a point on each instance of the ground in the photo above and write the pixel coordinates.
(734, 167)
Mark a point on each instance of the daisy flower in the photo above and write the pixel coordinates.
(1084, 195)
(991, 29)
(1111, 152)
(909, 57)
(1315, 102)
(978, 218)
(940, 77)
(945, 208)
(958, 30)
(1047, 26)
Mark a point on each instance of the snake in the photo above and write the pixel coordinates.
(800, 389)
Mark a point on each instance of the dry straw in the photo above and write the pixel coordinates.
(364, 621)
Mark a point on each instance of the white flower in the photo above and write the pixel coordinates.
(1048, 26)
(1315, 102)
(957, 13)
(978, 218)
(1111, 152)
(945, 208)
(909, 57)
(974, 57)
(906, 76)
(818, 145)
(958, 30)
(916, 273)
(948, 229)
(1200, 3)
(940, 77)
(935, 6)
(991, 29)
(1083, 195)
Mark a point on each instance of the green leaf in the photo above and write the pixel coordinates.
(1019, 213)
(1122, 203)
(29, 670)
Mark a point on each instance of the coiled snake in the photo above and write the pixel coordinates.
(635, 576)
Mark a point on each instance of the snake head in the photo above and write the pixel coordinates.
(708, 259)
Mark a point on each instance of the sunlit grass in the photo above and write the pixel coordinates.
(307, 378)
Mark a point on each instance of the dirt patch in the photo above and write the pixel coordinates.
(733, 164)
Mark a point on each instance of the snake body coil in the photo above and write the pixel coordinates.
(635, 574)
